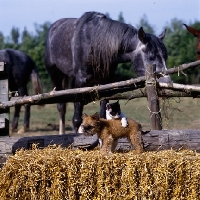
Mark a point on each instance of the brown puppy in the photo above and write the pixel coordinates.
(109, 131)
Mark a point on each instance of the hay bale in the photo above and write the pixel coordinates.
(57, 173)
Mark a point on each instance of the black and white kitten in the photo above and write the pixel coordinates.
(113, 111)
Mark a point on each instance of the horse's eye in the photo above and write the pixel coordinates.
(198, 52)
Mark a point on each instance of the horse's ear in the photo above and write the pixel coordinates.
(194, 31)
(142, 35)
(162, 35)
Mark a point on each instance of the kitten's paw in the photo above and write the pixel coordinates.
(124, 124)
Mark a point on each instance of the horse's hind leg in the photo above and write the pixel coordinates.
(103, 108)
(57, 78)
(16, 118)
(77, 118)
(27, 108)
(27, 115)
(62, 111)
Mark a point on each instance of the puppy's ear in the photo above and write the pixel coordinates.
(117, 101)
(84, 115)
(96, 116)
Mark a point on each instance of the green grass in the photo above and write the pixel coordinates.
(177, 113)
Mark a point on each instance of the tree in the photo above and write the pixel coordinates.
(15, 35)
(34, 46)
(31, 44)
(179, 43)
(121, 18)
(107, 15)
(181, 49)
(1, 40)
(145, 24)
(25, 35)
(124, 70)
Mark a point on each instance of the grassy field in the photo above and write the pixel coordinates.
(177, 113)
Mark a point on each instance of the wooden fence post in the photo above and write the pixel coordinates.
(4, 92)
(153, 102)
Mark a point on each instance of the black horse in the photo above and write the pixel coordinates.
(88, 50)
(20, 67)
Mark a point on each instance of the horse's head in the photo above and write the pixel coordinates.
(196, 34)
(150, 50)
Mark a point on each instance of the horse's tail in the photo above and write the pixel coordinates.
(36, 82)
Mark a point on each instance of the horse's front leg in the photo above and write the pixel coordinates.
(103, 108)
(62, 110)
(77, 118)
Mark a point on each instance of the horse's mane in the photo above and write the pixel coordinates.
(108, 37)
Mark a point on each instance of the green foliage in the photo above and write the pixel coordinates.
(181, 49)
(15, 35)
(34, 46)
(146, 25)
(1, 40)
(31, 44)
(179, 42)
(125, 70)
(121, 18)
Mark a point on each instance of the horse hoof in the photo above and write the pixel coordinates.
(23, 129)
(14, 130)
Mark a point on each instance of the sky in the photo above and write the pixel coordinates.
(27, 13)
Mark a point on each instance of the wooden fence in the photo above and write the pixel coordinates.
(156, 139)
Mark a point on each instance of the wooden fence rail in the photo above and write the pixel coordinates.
(130, 89)
(154, 140)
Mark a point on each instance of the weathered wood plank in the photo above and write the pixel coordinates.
(152, 97)
(4, 90)
(1, 66)
(155, 140)
(4, 113)
(4, 123)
